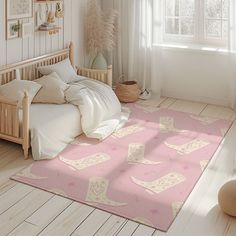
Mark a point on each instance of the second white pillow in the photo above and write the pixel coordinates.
(52, 91)
(64, 70)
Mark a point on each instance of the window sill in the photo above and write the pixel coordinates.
(192, 48)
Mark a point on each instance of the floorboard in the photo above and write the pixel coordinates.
(25, 229)
(155, 102)
(6, 186)
(93, 223)
(111, 226)
(167, 103)
(128, 228)
(68, 220)
(14, 195)
(219, 112)
(40, 219)
(143, 230)
(15, 215)
(186, 106)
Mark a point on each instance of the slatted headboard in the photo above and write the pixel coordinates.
(28, 68)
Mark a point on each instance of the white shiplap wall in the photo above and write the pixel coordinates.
(41, 43)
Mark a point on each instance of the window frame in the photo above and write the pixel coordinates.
(199, 35)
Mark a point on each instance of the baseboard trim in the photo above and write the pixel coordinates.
(194, 98)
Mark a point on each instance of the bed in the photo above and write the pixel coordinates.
(25, 129)
(56, 126)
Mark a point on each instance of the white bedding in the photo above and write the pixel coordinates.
(101, 111)
(52, 127)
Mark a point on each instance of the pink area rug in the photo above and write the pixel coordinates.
(144, 172)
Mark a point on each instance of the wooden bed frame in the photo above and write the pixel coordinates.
(9, 111)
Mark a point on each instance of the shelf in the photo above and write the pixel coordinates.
(54, 30)
(48, 2)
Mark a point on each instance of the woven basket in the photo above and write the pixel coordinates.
(128, 91)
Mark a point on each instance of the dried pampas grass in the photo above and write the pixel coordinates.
(100, 28)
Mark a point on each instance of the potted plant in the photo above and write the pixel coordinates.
(101, 34)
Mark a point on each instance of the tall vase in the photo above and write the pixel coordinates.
(99, 62)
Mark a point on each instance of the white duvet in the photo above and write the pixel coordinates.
(101, 111)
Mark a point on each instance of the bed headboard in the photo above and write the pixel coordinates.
(28, 68)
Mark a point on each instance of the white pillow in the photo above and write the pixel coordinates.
(52, 91)
(15, 89)
(64, 69)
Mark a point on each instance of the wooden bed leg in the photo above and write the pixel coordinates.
(26, 153)
(25, 143)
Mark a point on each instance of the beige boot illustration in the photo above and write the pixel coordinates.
(204, 120)
(167, 125)
(162, 184)
(136, 155)
(121, 133)
(189, 147)
(86, 162)
(27, 173)
(97, 192)
(148, 109)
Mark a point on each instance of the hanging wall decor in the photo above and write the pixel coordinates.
(59, 11)
(41, 15)
(13, 29)
(46, 14)
(27, 30)
(18, 9)
(51, 17)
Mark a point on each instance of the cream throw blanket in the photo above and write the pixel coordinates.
(101, 111)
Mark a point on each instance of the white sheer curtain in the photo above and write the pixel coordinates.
(135, 56)
(232, 51)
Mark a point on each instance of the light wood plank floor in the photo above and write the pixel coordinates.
(27, 211)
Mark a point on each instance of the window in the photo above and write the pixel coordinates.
(196, 21)
(216, 19)
(179, 17)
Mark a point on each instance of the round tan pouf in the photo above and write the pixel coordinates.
(227, 198)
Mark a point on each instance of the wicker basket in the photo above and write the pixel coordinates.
(128, 91)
